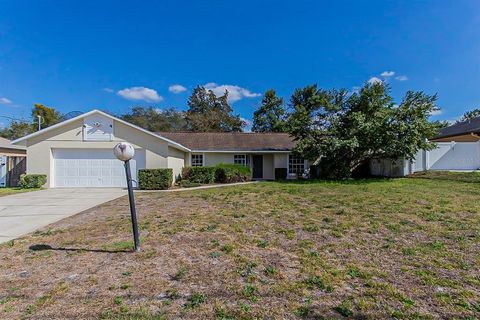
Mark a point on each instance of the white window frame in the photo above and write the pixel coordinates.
(245, 161)
(303, 164)
(196, 163)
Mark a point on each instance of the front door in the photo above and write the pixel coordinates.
(257, 161)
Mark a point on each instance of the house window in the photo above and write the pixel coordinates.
(296, 164)
(197, 160)
(240, 159)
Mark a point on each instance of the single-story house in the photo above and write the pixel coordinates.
(78, 152)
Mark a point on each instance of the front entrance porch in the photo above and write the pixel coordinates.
(257, 166)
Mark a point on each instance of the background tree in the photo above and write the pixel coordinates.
(209, 113)
(49, 115)
(156, 120)
(344, 131)
(270, 116)
(18, 128)
(469, 115)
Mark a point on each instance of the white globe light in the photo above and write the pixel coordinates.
(124, 151)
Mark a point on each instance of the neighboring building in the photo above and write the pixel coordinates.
(457, 149)
(12, 163)
(78, 151)
(8, 149)
(465, 131)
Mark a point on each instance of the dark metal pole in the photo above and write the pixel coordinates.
(133, 211)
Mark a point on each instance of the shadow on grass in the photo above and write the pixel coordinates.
(45, 247)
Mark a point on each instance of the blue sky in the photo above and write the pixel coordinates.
(79, 55)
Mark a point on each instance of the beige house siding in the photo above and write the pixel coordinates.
(70, 136)
(268, 167)
(270, 160)
(176, 161)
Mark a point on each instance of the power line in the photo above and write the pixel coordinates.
(14, 119)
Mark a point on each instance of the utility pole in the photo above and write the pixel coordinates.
(39, 122)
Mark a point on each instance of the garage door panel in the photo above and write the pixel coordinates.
(83, 172)
(92, 168)
(71, 171)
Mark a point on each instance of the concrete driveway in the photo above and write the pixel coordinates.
(26, 212)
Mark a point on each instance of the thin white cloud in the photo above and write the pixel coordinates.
(401, 78)
(387, 74)
(235, 93)
(140, 93)
(436, 112)
(4, 100)
(374, 80)
(109, 90)
(177, 88)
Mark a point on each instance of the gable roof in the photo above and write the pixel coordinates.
(58, 125)
(232, 141)
(461, 128)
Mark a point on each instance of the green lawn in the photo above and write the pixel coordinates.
(9, 191)
(401, 248)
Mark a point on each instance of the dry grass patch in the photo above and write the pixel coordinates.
(404, 248)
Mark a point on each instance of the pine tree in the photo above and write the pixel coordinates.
(209, 113)
(270, 116)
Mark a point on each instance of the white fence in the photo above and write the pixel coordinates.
(447, 156)
(450, 156)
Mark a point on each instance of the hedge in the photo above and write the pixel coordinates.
(203, 175)
(280, 173)
(28, 181)
(155, 179)
(229, 173)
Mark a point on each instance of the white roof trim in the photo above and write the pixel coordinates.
(58, 125)
(240, 151)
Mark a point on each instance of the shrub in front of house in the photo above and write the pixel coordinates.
(280, 173)
(155, 179)
(230, 173)
(203, 175)
(28, 181)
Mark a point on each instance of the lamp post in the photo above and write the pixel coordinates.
(124, 152)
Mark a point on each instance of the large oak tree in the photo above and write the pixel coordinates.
(343, 130)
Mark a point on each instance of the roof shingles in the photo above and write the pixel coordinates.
(460, 128)
(232, 141)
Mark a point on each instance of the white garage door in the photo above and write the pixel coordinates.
(93, 168)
